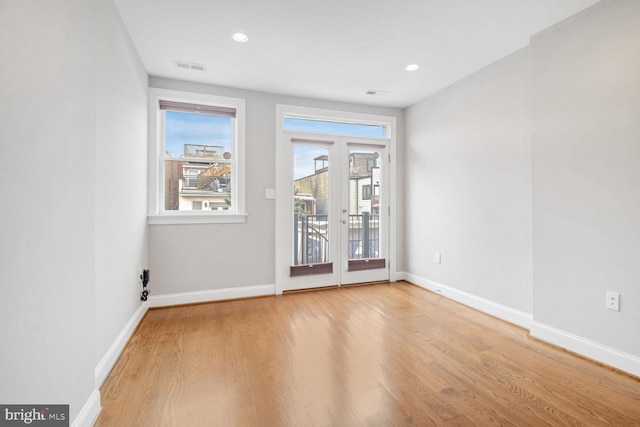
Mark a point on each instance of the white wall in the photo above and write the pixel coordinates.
(121, 178)
(185, 258)
(468, 187)
(526, 177)
(47, 134)
(73, 139)
(586, 174)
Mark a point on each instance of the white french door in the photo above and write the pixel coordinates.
(333, 210)
(364, 210)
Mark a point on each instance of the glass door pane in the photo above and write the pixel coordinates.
(311, 208)
(364, 209)
(336, 210)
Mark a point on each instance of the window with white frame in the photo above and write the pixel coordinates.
(197, 158)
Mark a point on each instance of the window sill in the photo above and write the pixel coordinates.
(196, 219)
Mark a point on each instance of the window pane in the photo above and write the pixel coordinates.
(196, 135)
(196, 184)
(335, 128)
(366, 192)
(186, 183)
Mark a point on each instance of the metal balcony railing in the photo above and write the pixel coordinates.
(200, 150)
(364, 236)
(206, 183)
(190, 182)
(311, 237)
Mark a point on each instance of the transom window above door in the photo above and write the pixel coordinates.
(335, 127)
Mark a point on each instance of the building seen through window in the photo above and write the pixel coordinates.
(197, 175)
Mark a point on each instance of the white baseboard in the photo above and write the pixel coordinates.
(89, 411)
(211, 295)
(92, 408)
(500, 311)
(584, 347)
(593, 350)
(110, 358)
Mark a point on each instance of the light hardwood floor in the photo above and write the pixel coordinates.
(377, 355)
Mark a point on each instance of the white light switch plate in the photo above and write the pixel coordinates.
(270, 193)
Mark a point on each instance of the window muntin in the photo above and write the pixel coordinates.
(198, 141)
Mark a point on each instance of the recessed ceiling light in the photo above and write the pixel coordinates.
(240, 37)
(412, 67)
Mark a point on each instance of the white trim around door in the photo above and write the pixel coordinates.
(335, 144)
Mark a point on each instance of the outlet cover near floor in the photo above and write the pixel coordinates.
(613, 301)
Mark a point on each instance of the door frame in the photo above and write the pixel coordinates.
(283, 183)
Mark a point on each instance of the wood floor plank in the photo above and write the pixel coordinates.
(377, 355)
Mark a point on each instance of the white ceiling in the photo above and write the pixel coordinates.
(335, 49)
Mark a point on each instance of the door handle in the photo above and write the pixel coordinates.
(344, 221)
(344, 211)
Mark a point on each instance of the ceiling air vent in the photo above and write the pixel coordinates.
(191, 66)
(374, 92)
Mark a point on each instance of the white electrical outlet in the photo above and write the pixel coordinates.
(613, 301)
(438, 258)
